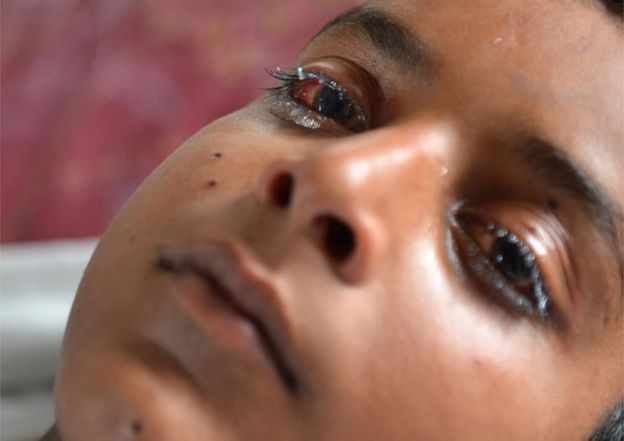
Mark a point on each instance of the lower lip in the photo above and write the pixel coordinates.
(216, 317)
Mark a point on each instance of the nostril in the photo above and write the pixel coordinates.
(281, 189)
(337, 238)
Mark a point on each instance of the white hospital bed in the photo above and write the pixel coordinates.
(37, 284)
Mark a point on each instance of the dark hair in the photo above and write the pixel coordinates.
(615, 7)
(612, 429)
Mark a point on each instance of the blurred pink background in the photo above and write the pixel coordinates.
(95, 93)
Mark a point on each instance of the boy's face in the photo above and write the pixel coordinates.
(434, 259)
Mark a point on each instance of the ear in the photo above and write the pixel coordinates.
(52, 435)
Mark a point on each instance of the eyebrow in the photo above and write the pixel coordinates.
(389, 37)
(550, 164)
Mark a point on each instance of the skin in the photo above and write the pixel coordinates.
(399, 340)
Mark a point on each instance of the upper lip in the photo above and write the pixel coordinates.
(241, 282)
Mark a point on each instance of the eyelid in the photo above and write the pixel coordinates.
(547, 240)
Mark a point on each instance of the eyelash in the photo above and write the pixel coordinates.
(287, 106)
(492, 271)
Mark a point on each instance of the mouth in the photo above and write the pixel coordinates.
(229, 274)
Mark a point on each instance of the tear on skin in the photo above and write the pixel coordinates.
(300, 116)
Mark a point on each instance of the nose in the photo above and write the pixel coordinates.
(339, 196)
(315, 195)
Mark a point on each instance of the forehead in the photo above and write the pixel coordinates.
(555, 56)
(555, 50)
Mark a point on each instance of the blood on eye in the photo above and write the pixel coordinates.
(325, 100)
(305, 92)
(311, 100)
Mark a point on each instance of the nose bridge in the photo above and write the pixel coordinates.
(372, 164)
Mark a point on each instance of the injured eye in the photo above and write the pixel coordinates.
(503, 264)
(309, 98)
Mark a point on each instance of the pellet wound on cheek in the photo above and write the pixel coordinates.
(552, 204)
(137, 427)
(216, 155)
(211, 184)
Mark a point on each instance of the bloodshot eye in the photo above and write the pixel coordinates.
(312, 100)
(326, 100)
(503, 264)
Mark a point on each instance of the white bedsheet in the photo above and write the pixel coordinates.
(37, 285)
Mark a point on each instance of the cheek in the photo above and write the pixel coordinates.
(198, 183)
(457, 365)
(120, 399)
(203, 176)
